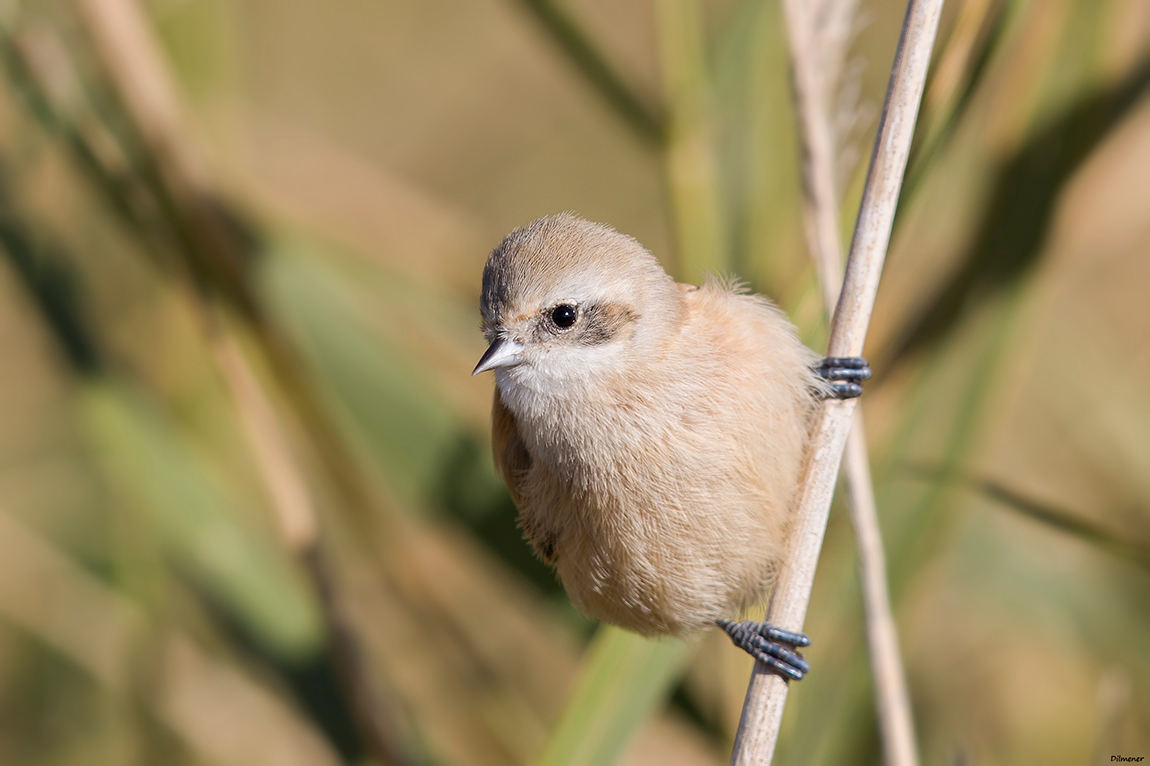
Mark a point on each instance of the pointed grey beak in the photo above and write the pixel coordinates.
(501, 353)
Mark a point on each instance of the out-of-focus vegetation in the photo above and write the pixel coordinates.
(241, 246)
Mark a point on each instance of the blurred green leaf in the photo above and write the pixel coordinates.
(148, 464)
(694, 185)
(1010, 238)
(942, 115)
(647, 120)
(1070, 522)
(379, 392)
(623, 681)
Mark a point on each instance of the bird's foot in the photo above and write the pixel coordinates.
(768, 645)
(844, 374)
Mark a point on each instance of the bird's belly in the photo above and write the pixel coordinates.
(651, 526)
(665, 567)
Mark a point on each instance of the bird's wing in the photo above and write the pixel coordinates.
(512, 459)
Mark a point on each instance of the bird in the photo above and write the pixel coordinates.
(650, 433)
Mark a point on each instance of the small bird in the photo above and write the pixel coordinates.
(651, 433)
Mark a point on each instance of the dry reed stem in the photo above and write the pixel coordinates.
(296, 519)
(691, 166)
(895, 715)
(130, 57)
(128, 53)
(291, 501)
(767, 692)
(819, 37)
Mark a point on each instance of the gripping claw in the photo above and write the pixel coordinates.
(769, 645)
(844, 375)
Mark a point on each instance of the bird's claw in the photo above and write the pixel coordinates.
(768, 645)
(844, 375)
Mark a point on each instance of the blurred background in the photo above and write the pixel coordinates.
(247, 508)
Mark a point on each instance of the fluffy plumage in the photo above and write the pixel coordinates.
(654, 446)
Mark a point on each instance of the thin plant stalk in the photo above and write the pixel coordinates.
(767, 693)
(131, 59)
(819, 36)
(692, 169)
(297, 521)
(892, 699)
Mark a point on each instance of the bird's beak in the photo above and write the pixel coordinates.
(501, 353)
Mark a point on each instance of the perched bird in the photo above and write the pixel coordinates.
(651, 433)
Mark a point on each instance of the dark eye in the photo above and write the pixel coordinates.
(564, 315)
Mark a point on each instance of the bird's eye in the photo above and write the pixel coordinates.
(564, 315)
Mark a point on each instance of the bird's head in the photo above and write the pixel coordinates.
(566, 300)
